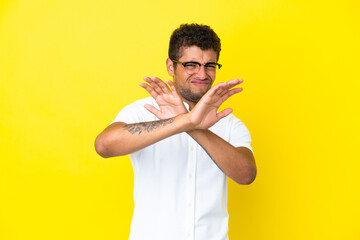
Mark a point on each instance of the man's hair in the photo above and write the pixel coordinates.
(188, 35)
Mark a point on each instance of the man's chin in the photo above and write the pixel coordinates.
(193, 97)
(194, 94)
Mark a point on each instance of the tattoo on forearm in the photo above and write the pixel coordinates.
(146, 126)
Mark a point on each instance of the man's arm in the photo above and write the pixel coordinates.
(121, 139)
(237, 163)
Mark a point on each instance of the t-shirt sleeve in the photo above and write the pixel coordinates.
(239, 134)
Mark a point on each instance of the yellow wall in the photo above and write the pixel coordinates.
(67, 67)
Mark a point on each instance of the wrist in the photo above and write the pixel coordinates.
(186, 123)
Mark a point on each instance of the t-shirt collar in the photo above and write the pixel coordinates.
(187, 106)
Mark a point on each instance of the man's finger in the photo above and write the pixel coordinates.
(153, 110)
(154, 85)
(172, 86)
(149, 89)
(161, 84)
(228, 94)
(232, 83)
(224, 113)
(235, 81)
(217, 89)
(222, 88)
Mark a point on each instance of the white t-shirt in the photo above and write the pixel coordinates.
(179, 192)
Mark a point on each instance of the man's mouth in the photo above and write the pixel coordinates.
(200, 82)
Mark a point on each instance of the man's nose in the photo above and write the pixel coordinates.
(202, 72)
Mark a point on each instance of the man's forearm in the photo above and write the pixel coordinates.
(121, 139)
(236, 163)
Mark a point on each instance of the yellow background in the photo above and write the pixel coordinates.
(68, 67)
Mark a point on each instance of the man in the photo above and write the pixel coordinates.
(180, 147)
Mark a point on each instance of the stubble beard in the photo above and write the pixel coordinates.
(188, 95)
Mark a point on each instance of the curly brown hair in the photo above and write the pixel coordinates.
(193, 34)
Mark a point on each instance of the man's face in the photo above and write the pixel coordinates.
(193, 86)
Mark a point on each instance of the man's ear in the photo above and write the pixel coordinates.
(170, 67)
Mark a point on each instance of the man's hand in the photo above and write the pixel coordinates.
(168, 99)
(204, 114)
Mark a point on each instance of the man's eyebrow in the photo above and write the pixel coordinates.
(199, 62)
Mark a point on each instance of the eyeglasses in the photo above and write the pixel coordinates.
(194, 67)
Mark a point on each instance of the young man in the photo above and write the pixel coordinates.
(180, 147)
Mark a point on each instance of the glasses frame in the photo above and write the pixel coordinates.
(199, 64)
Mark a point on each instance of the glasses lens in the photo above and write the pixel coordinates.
(211, 67)
(192, 67)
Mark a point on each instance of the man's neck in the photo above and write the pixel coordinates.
(191, 104)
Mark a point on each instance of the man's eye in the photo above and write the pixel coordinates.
(191, 65)
(210, 66)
